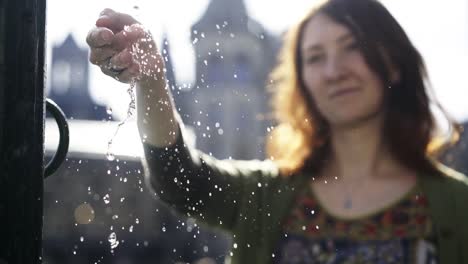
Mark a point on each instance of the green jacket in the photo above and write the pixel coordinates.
(250, 199)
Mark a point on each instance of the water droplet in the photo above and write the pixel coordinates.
(81, 239)
(235, 245)
(109, 110)
(110, 157)
(130, 229)
(106, 199)
(163, 229)
(113, 240)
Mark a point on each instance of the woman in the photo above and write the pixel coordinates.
(352, 175)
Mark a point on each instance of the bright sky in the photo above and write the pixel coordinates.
(438, 29)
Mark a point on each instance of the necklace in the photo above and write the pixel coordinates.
(348, 199)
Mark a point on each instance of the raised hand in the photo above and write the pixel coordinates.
(124, 49)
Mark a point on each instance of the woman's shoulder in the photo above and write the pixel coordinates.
(454, 180)
(447, 192)
(447, 187)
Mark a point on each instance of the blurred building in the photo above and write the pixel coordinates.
(228, 104)
(69, 85)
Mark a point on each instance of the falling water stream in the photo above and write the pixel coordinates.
(130, 111)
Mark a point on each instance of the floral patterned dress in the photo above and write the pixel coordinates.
(400, 233)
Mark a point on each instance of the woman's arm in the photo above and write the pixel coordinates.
(156, 116)
(198, 185)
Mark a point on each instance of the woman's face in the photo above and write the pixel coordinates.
(345, 90)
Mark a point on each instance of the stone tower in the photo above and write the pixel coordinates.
(234, 55)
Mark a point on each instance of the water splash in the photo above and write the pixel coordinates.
(130, 111)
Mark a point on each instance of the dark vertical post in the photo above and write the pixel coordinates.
(22, 35)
